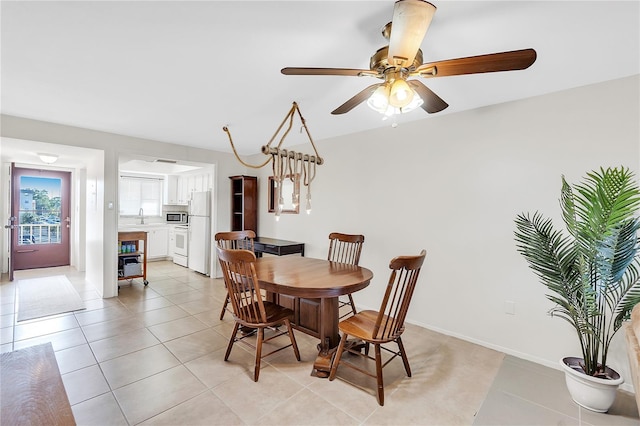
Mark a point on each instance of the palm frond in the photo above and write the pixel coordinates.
(629, 294)
(549, 253)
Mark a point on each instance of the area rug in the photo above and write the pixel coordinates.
(41, 297)
(31, 388)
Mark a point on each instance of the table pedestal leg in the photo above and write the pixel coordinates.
(329, 336)
(328, 317)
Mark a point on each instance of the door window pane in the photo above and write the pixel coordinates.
(40, 210)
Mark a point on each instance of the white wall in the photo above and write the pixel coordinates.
(99, 257)
(454, 185)
(80, 220)
(102, 179)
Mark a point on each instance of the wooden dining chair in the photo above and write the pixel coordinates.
(385, 325)
(234, 240)
(345, 248)
(249, 309)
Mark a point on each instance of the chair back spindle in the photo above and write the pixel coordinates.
(236, 240)
(240, 279)
(345, 248)
(397, 297)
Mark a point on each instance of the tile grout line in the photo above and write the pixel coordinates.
(103, 376)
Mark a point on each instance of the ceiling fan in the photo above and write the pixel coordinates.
(402, 59)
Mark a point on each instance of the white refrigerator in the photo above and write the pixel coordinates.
(200, 232)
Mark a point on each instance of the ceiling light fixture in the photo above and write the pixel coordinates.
(287, 164)
(400, 94)
(395, 98)
(48, 158)
(402, 59)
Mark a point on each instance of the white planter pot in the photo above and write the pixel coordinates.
(592, 393)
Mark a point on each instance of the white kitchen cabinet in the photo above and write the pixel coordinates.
(172, 190)
(158, 241)
(191, 184)
(183, 190)
(200, 182)
(194, 182)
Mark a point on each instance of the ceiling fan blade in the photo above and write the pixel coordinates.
(432, 102)
(356, 100)
(493, 62)
(411, 19)
(327, 71)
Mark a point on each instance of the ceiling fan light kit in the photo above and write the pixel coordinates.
(403, 59)
(380, 101)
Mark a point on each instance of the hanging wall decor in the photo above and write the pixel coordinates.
(287, 164)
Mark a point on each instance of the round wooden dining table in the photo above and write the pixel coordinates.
(311, 287)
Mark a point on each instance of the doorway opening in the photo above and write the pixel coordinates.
(41, 201)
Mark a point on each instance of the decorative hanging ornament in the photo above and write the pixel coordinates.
(287, 164)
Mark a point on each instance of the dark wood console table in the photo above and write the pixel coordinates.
(277, 247)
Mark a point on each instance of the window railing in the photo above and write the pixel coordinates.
(39, 233)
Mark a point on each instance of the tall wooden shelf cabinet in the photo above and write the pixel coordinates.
(244, 203)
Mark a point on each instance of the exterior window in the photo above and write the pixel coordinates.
(39, 210)
(138, 192)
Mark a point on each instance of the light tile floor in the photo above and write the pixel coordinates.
(154, 355)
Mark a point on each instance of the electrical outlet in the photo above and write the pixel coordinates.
(509, 307)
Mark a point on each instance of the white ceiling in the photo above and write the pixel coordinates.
(179, 71)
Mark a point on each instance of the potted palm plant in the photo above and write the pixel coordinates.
(593, 274)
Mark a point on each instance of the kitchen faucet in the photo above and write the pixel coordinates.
(141, 214)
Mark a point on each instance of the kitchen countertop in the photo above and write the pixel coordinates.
(142, 228)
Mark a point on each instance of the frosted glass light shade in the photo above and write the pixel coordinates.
(379, 100)
(400, 94)
(48, 158)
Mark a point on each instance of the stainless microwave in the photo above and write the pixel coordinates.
(176, 217)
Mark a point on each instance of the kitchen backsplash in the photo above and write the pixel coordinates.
(174, 208)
